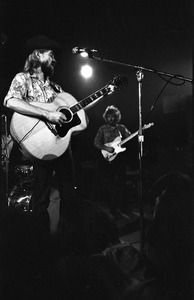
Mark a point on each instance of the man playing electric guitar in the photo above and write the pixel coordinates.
(112, 174)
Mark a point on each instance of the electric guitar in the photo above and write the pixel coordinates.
(46, 141)
(117, 143)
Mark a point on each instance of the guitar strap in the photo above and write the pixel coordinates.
(55, 87)
(28, 84)
(120, 135)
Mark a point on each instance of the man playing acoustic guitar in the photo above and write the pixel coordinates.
(32, 85)
(112, 172)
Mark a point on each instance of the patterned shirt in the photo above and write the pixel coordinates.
(107, 134)
(29, 88)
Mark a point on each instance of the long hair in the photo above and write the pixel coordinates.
(33, 61)
(112, 110)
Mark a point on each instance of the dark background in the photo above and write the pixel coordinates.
(151, 34)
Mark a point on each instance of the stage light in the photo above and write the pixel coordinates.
(84, 54)
(86, 71)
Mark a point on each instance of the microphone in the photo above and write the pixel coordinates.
(78, 50)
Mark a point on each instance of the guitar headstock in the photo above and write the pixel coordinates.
(118, 82)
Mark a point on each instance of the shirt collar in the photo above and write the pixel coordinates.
(112, 126)
(47, 81)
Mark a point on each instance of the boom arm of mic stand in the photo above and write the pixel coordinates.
(144, 69)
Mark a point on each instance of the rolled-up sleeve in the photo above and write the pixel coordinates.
(17, 88)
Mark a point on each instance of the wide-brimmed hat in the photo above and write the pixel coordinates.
(41, 42)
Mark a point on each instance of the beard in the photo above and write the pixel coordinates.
(47, 69)
(112, 123)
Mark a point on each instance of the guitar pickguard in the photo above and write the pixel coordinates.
(63, 129)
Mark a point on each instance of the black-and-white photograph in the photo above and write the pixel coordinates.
(96, 192)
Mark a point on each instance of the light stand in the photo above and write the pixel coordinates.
(140, 77)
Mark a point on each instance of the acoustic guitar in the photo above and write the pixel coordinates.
(46, 141)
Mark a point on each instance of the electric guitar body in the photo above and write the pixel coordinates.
(117, 144)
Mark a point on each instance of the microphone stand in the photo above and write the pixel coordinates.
(140, 77)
